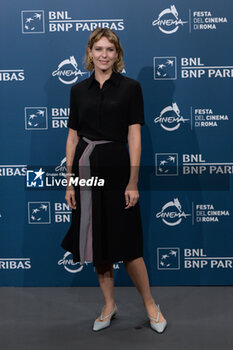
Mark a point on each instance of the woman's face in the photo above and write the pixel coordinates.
(104, 54)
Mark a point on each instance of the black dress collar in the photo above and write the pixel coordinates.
(114, 79)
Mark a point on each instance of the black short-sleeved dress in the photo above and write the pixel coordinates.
(105, 114)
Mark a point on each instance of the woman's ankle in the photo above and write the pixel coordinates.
(109, 303)
(148, 302)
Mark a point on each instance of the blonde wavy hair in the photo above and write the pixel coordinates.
(96, 35)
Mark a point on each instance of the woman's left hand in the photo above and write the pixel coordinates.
(131, 195)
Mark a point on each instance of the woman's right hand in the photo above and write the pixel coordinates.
(70, 197)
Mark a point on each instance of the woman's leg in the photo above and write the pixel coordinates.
(106, 281)
(137, 271)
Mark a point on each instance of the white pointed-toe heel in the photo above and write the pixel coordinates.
(98, 325)
(158, 326)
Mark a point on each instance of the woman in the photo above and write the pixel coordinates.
(106, 112)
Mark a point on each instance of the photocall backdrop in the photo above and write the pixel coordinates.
(181, 54)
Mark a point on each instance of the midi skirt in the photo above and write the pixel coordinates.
(114, 233)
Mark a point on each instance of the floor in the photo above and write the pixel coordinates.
(62, 317)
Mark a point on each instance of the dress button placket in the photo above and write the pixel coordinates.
(100, 106)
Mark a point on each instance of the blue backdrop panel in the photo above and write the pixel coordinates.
(180, 54)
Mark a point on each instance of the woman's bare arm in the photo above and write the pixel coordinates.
(71, 143)
(134, 142)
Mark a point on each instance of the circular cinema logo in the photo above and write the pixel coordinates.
(67, 71)
(172, 213)
(168, 20)
(170, 118)
(69, 264)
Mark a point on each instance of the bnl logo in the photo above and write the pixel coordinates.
(35, 178)
(165, 68)
(32, 22)
(166, 164)
(36, 118)
(39, 213)
(168, 258)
